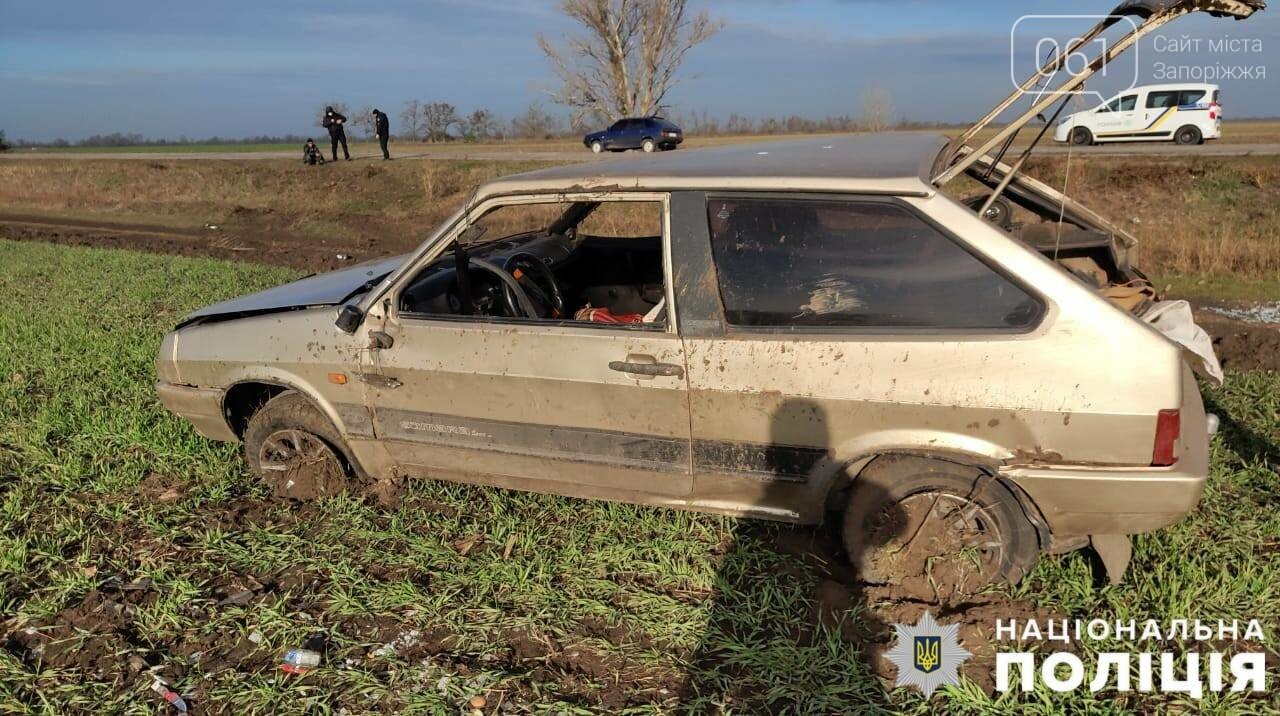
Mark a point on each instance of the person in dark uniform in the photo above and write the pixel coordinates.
(333, 121)
(382, 129)
(311, 154)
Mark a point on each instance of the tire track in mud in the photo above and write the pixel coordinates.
(253, 245)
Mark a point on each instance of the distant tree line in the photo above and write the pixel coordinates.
(133, 139)
(421, 121)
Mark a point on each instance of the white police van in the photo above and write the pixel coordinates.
(1183, 113)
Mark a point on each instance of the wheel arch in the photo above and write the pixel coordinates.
(245, 396)
(835, 492)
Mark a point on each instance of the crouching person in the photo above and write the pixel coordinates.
(311, 153)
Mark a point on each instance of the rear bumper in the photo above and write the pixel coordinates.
(202, 407)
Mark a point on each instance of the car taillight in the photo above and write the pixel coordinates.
(1215, 110)
(1168, 430)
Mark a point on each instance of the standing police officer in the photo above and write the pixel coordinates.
(333, 122)
(382, 129)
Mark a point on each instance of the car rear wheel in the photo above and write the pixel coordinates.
(648, 146)
(1188, 135)
(597, 147)
(932, 529)
(293, 448)
(1081, 137)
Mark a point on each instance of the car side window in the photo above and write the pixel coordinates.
(618, 126)
(1128, 102)
(797, 263)
(575, 262)
(1191, 97)
(1162, 100)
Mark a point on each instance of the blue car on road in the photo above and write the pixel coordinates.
(648, 133)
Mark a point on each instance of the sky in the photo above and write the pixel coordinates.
(237, 68)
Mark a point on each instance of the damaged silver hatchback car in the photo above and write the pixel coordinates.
(779, 331)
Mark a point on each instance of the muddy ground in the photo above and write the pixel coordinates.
(256, 238)
(99, 638)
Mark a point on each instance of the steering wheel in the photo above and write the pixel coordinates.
(529, 271)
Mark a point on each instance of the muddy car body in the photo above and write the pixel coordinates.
(1027, 377)
(803, 327)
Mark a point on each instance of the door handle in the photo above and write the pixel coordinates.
(379, 380)
(648, 370)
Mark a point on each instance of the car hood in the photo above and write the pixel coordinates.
(326, 289)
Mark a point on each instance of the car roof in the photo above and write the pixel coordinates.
(887, 163)
(1171, 86)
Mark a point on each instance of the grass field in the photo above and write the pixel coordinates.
(1226, 227)
(541, 603)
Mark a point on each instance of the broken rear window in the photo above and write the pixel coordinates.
(788, 263)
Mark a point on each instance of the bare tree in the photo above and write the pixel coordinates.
(411, 118)
(625, 62)
(363, 121)
(877, 109)
(437, 117)
(535, 123)
(479, 125)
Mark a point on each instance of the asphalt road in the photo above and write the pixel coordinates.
(1162, 149)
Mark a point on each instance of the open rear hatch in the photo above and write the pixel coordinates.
(1083, 242)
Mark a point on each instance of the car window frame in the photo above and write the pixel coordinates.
(1182, 95)
(1177, 97)
(862, 332)
(390, 298)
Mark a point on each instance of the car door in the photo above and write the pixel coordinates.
(563, 406)
(1119, 117)
(613, 138)
(634, 130)
(1158, 115)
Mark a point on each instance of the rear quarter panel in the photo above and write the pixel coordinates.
(1082, 388)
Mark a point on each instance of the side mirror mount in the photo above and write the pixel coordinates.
(349, 319)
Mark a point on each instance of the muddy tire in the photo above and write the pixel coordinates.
(1081, 137)
(293, 448)
(597, 147)
(1188, 135)
(648, 146)
(934, 529)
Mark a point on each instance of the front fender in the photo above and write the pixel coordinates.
(350, 419)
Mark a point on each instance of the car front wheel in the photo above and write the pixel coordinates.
(1081, 137)
(648, 146)
(597, 147)
(293, 448)
(933, 529)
